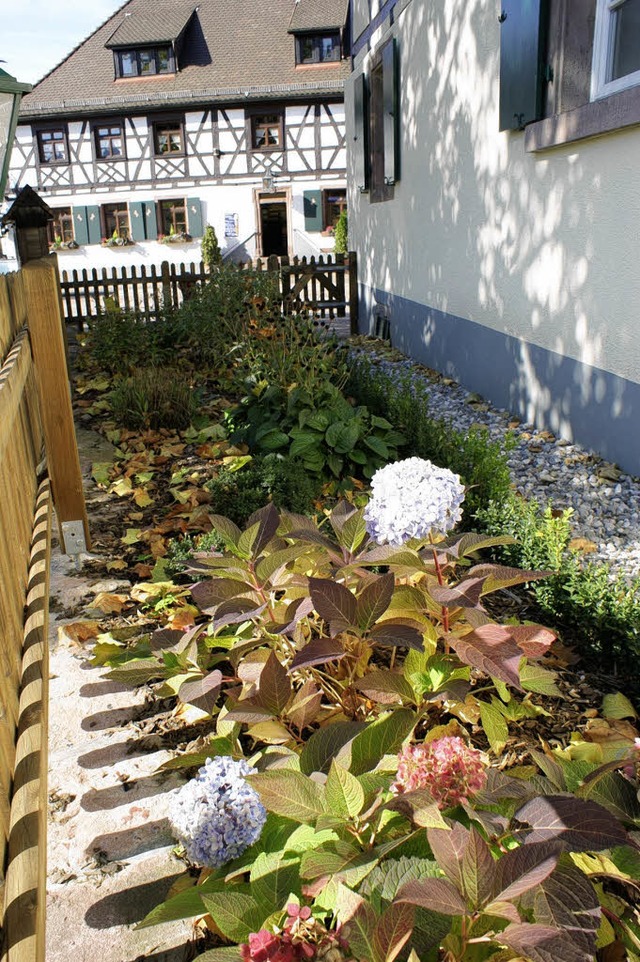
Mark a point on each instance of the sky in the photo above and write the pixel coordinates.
(35, 35)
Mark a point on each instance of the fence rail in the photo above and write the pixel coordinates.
(35, 419)
(326, 286)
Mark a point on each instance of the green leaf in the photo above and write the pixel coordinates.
(138, 672)
(377, 445)
(374, 599)
(226, 953)
(268, 566)
(235, 914)
(420, 808)
(448, 849)
(100, 473)
(306, 838)
(226, 530)
(203, 692)
(381, 737)
(273, 878)
(494, 725)
(325, 744)
(540, 680)
(290, 794)
(345, 795)
(218, 745)
(383, 882)
(342, 436)
(353, 532)
(185, 905)
(618, 706)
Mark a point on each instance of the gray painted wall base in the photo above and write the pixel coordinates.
(576, 401)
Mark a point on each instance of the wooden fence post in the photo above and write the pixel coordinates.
(167, 302)
(45, 323)
(353, 293)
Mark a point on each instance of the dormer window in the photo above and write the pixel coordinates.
(144, 62)
(313, 48)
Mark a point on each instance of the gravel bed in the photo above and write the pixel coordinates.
(604, 500)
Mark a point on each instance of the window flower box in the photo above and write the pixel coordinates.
(117, 241)
(179, 237)
(60, 245)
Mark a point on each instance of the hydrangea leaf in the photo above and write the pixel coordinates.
(345, 795)
(273, 562)
(235, 914)
(291, 794)
(203, 692)
(274, 691)
(305, 706)
(209, 594)
(394, 633)
(268, 521)
(497, 577)
(491, 649)
(358, 921)
(333, 602)
(326, 743)
(523, 868)
(383, 736)
(494, 725)
(386, 687)
(618, 706)
(542, 943)
(577, 824)
(353, 532)
(317, 652)
(448, 848)
(393, 931)
(568, 900)
(383, 883)
(479, 870)
(273, 878)
(420, 808)
(185, 905)
(435, 894)
(225, 953)
(374, 599)
(227, 531)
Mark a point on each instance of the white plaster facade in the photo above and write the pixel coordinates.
(485, 237)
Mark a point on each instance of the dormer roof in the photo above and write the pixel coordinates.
(309, 15)
(164, 22)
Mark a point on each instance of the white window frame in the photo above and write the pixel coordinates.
(603, 51)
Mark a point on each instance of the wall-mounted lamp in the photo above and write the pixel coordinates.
(10, 96)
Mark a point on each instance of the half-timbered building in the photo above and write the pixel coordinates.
(175, 114)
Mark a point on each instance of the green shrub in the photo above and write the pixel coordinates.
(284, 481)
(598, 611)
(154, 398)
(210, 248)
(342, 234)
(403, 400)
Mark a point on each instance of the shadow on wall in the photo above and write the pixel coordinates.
(514, 242)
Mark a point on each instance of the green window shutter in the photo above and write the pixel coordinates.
(194, 216)
(150, 219)
(313, 210)
(136, 220)
(523, 26)
(80, 226)
(361, 128)
(94, 227)
(390, 100)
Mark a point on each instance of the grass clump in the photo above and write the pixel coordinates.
(120, 341)
(284, 481)
(154, 398)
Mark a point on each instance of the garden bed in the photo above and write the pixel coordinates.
(399, 760)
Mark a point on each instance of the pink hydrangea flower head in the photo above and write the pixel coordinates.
(448, 768)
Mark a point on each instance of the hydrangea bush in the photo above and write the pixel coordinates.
(412, 499)
(217, 815)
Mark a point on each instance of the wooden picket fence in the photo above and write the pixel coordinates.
(38, 457)
(328, 287)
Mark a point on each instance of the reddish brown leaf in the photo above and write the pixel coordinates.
(434, 894)
(333, 602)
(317, 652)
(491, 648)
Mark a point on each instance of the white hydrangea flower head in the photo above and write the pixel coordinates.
(217, 815)
(412, 498)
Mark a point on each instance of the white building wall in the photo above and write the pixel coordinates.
(540, 247)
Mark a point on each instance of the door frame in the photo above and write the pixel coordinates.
(281, 195)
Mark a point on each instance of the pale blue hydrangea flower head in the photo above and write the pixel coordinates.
(412, 498)
(217, 815)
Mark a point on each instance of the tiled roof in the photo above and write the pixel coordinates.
(311, 15)
(233, 51)
(162, 23)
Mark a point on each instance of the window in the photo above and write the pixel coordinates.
(616, 47)
(318, 48)
(333, 203)
(109, 141)
(168, 137)
(60, 229)
(52, 146)
(267, 131)
(383, 116)
(173, 217)
(115, 218)
(144, 62)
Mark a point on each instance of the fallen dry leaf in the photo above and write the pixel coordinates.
(117, 565)
(79, 631)
(109, 603)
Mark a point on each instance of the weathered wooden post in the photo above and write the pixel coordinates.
(353, 293)
(45, 321)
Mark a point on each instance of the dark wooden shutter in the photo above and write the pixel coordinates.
(80, 226)
(390, 97)
(522, 51)
(150, 219)
(361, 128)
(93, 225)
(313, 210)
(194, 216)
(136, 220)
